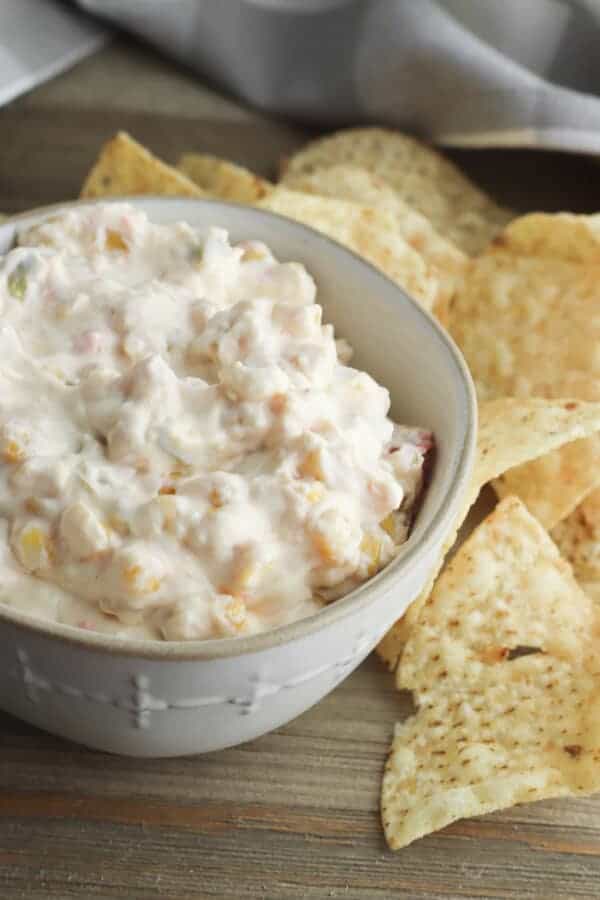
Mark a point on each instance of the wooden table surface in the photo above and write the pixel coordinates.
(294, 814)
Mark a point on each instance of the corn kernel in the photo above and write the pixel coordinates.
(277, 404)
(253, 253)
(181, 470)
(324, 548)
(244, 570)
(132, 573)
(310, 467)
(167, 490)
(235, 612)
(388, 525)
(35, 548)
(241, 579)
(115, 523)
(131, 576)
(216, 498)
(152, 585)
(115, 241)
(371, 547)
(12, 452)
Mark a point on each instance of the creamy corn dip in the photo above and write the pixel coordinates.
(185, 452)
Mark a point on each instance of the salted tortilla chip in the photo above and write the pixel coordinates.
(390, 647)
(510, 432)
(370, 232)
(124, 168)
(421, 176)
(578, 539)
(505, 678)
(527, 318)
(515, 604)
(224, 179)
(347, 182)
(568, 236)
(553, 486)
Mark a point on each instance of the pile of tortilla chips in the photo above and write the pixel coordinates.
(501, 651)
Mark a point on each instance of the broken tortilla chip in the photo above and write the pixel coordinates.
(419, 175)
(578, 539)
(369, 232)
(505, 677)
(224, 179)
(346, 182)
(510, 433)
(526, 317)
(124, 168)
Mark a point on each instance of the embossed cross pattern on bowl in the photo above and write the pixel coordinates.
(139, 701)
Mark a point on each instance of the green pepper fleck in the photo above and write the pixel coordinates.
(197, 254)
(17, 282)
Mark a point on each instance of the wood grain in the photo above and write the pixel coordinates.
(295, 814)
(292, 815)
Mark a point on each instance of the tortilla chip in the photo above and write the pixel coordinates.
(390, 647)
(369, 232)
(223, 179)
(552, 487)
(568, 236)
(526, 317)
(504, 672)
(578, 539)
(510, 432)
(125, 168)
(347, 182)
(421, 176)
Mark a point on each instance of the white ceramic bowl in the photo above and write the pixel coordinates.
(169, 698)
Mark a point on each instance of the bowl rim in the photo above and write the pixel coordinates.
(349, 604)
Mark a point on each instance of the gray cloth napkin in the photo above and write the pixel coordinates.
(461, 72)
